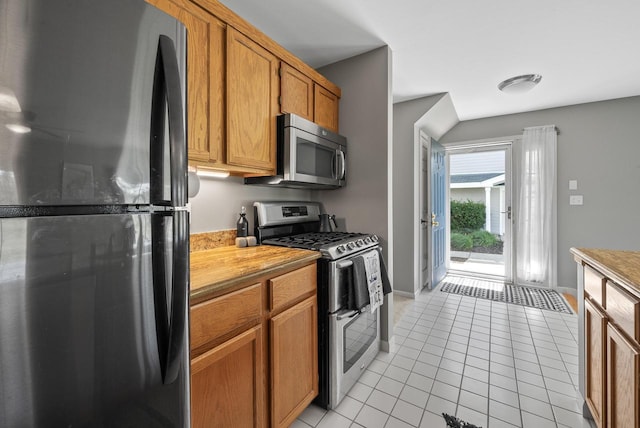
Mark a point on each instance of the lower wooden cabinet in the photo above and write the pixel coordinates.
(623, 389)
(255, 352)
(294, 362)
(227, 383)
(595, 362)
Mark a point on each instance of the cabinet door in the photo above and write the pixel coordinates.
(294, 361)
(296, 92)
(325, 108)
(227, 383)
(252, 103)
(623, 388)
(205, 77)
(595, 362)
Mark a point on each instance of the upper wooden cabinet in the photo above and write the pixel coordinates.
(325, 108)
(205, 76)
(296, 92)
(252, 103)
(235, 90)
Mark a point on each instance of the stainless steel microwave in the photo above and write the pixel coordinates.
(309, 156)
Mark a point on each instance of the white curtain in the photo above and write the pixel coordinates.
(536, 248)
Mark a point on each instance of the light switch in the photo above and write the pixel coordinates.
(573, 184)
(575, 200)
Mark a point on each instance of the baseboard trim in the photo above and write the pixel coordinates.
(388, 346)
(569, 290)
(406, 294)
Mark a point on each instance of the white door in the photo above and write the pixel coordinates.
(425, 209)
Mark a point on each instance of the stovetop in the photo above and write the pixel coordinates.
(332, 245)
(297, 224)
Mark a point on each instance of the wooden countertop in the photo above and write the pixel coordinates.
(216, 271)
(621, 266)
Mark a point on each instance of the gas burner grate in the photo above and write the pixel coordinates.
(312, 240)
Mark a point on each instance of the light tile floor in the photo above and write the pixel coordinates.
(491, 364)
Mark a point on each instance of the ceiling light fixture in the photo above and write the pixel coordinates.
(520, 84)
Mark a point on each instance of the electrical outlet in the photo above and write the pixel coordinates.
(573, 184)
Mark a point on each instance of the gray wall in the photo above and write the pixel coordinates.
(366, 120)
(598, 145)
(405, 115)
(217, 205)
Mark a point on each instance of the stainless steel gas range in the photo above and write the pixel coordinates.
(348, 338)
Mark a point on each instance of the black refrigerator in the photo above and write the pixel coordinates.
(94, 225)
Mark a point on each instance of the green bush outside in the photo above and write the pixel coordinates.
(461, 242)
(482, 238)
(467, 215)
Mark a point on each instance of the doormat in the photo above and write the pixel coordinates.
(453, 422)
(526, 296)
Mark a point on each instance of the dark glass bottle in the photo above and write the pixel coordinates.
(243, 224)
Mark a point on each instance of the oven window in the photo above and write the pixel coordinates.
(314, 159)
(358, 335)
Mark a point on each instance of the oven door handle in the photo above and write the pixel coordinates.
(349, 314)
(344, 264)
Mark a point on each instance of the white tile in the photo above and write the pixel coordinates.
(420, 382)
(371, 418)
(536, 407)
(477, 362)
(397, 373)
(439, 405)
(477, 352)
(502, 359)
(381, 401)
(529, 377)
(528, 366)
(471, 416)
(425, 369)
(349, 407)
(432, 420)
(415, 344)
(474, 402)
(476, 373)
(451, 355)
(449, 377)
(504, 412)
(370, 378)
(408, 352)
(501, 369)
(451, 365)
(403, 362)
(504, 350)
(504, 396)
(475, 386)
(407, 412)
(497, 423)
(360, 392)
(561, 387)
(530, 390)
(571, 419)
(429, 358)
(557, 374)
(567, 402)
(390, 386)
(476, 343)
(312, 415)
(446, 391)
(433, 349)
(503, 382)
(299, 424)
(378, 366)
(414, 396)
(456, 346)
(396, 423)
(334, 420)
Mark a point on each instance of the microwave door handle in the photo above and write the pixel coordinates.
(342, 164)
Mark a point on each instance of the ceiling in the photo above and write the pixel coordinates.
(585, 50)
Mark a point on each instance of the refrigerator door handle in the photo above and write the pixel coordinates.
(171, 317)
(167, 91)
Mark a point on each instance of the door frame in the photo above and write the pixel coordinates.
(506, 144)
(424, 197)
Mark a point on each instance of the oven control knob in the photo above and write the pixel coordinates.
(367, 240)
(340, 249)
(359, 242)
(374, 238)
(351, 246)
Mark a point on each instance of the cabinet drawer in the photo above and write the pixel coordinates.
(224, 314)
(594, 285)
(623, 309)
(290, 287)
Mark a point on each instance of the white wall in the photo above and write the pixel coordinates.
(598, 145)
(217, 205)
(366, 120)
